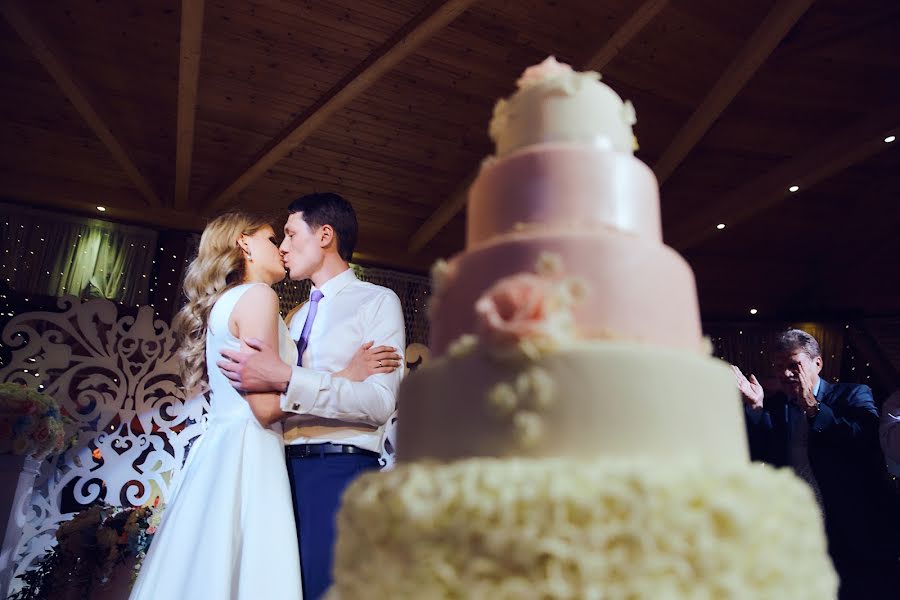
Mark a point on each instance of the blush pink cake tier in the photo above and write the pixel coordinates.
(573, 439)
(647, 308)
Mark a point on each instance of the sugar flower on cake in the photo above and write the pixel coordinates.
(529, 428)
(552, 76)
(515, 309)
(549, 265)
(521, 402)
(463, 345)
(532, 389)
(440, 271)
(502, 399)
(535, 388)
(531, 312)
(547, 71)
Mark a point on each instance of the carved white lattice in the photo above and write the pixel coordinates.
(115, 376)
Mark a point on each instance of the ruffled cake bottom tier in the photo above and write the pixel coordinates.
(563, 528)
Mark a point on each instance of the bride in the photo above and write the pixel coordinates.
(228, 529)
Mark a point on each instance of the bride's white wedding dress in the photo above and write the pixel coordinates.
(228, 530)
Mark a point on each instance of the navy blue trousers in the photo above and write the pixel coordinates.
(317, 483)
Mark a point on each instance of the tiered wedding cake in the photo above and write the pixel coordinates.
(573, 439)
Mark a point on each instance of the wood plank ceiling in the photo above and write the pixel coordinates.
(166, 112)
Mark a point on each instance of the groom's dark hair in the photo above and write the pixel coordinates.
(327, 208)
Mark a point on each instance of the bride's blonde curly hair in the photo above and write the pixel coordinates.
(218, 267)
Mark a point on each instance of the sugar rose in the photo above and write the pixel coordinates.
(514, 309)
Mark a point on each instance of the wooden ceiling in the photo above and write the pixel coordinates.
(167, 112)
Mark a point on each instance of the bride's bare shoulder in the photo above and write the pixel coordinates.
(258, 303)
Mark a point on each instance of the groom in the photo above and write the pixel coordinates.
(333, 427)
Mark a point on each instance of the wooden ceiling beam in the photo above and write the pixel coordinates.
(445, 212)
(190, 44)
(645, 13)
(776, 25)
(416, 32)
(847, 148)
(41, 47)
(452, 205)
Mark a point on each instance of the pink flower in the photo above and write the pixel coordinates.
(151, 530)
(514, 309)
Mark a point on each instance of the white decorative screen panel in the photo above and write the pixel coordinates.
(116, 377)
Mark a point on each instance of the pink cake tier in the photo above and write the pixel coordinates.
(636, 291)
(564, 185)
(597, 211)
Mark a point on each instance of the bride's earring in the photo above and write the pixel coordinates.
(245, 250)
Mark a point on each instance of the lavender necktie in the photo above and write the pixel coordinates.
(303, 342)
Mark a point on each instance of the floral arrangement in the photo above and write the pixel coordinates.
(30, 422)
(89, 548)
(532, 313)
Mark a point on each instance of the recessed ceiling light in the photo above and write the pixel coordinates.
(720, 226)
(890, 139)
(753, 311)
(793, 188)
(101, 208)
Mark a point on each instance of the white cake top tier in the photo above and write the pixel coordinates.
(554, 103)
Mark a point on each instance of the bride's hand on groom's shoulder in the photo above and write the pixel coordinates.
(370, 361)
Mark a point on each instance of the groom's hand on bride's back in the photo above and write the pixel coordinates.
(259, 371)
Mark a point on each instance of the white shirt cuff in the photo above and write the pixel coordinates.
(302, 390)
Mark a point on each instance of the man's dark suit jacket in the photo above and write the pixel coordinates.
(846, 461)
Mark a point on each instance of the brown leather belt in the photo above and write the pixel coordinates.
(319, 450)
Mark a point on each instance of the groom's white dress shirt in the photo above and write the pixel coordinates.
(334, 409)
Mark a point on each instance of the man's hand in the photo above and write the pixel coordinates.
(751, 390)
(807, 400)
(259, 371)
